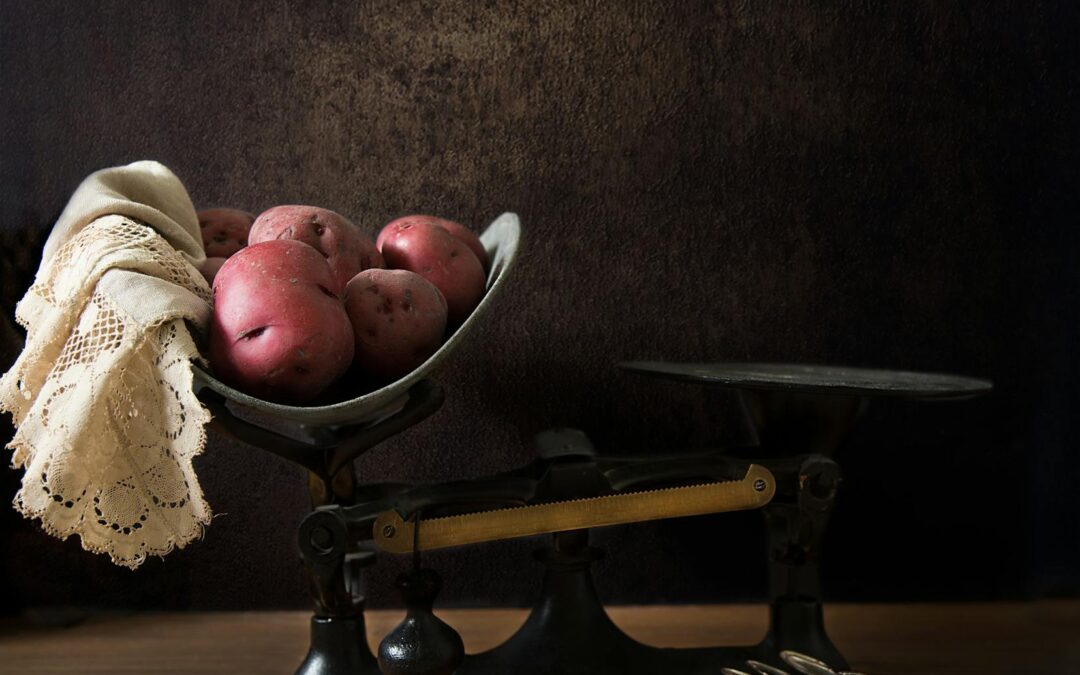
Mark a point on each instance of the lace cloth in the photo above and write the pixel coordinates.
(107, 422)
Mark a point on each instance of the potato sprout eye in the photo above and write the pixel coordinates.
(253, 333)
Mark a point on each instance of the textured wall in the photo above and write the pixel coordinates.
(865, 183)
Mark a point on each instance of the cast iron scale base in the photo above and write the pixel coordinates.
(799, 416)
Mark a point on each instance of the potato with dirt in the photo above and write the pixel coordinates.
(224, 231)
(398, 321)
(347, 249)
(279, 330)
(447, 262)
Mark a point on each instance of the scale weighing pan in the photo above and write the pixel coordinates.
(501, 239)
(814, 379)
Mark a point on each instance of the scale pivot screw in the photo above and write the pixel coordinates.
(759, 485)
(388, 531)
(322, 540)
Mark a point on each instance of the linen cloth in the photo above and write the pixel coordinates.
(107, 422)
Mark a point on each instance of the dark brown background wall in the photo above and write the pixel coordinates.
(864, 183)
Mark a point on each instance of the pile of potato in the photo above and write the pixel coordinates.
(303, 296)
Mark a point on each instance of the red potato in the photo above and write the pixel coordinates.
(471, 239)
(442, 259)
(279, 332)
(210, 268)
(346, 248)
(456, 229)
(398, 319)
(224, 231)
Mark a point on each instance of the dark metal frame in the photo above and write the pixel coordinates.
(568, 631)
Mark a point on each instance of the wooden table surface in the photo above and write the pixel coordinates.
(930, 639)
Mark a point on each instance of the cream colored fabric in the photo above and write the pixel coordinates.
(102, 393)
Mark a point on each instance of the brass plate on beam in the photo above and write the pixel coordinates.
(395, 535)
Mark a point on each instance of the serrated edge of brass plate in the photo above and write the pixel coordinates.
(394, 535)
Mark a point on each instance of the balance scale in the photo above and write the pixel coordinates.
(798, 415)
